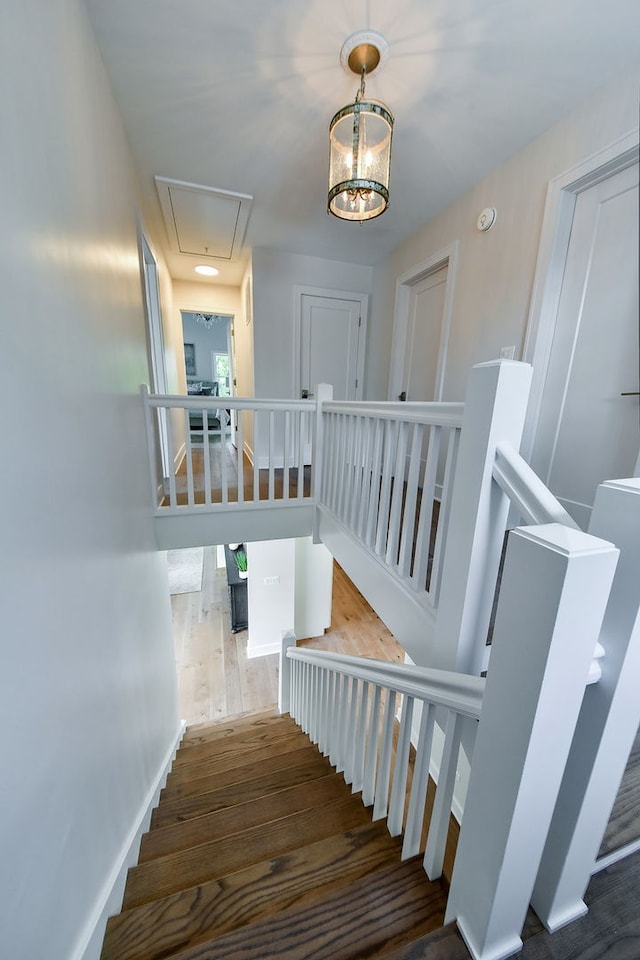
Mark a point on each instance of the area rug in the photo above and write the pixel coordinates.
(185, 570)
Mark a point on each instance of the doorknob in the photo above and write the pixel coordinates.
(306, 395)
(631, 393)
(402, 396)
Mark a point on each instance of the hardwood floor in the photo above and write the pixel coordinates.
(215, 677)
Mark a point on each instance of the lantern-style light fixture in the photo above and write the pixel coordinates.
(360, 141)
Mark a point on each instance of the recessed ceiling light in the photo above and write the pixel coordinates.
(206, 270)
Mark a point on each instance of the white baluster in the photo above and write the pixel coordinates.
(376, 475)
(419, 784)
(382, 526)
(393, 539)
(423, 539)
(439, 825)
(401, 769)
(361, 739)
(240, 415)
(368, 786)
(384, 766)
(272, 491)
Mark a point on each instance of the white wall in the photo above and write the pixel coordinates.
(271, 603)
(313, 588)
(496, 269)
(88, 692)
(275, 275)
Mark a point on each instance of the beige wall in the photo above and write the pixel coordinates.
(210, 297)
(496, 269)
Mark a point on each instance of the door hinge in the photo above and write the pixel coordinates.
(356, 384)
(359, 321)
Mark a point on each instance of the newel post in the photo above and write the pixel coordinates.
(284, 673)
(553, 596)
(324, 393)
(494, 412)
(607, 724)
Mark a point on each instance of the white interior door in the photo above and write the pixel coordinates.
(331, 345)
(424, 333)
(587, 431)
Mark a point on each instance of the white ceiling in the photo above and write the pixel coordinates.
(238, 94)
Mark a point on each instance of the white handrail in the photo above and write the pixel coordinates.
(455, 691)
(443, 414)
(229, 403)
(526, 490)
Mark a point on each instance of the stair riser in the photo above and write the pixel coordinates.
(177, 811)
(166, 875)
(191, 833)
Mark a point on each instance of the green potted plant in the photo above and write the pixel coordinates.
(241, 564)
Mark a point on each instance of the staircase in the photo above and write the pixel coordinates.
(258, 849)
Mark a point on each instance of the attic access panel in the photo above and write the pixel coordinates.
(202, 221)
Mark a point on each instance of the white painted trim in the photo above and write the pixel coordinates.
(562, 192)
(109, 900)
(448, 257)
(265, 650)
(616, 855)
(248, 450)
(300, 291)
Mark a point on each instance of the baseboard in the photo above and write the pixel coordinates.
(264, 651)
(109, 900)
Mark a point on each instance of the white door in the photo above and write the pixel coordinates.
(332, 345)
(587, 431)
(424, 332)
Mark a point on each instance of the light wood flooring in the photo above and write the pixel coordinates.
(215, 677)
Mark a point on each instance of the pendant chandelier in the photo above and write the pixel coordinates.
(360, 140)
(208, 320)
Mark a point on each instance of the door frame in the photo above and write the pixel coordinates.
(300, 291)
(447, 257)
(155, 342)
(553, 249)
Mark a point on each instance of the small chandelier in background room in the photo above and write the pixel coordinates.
(208, 320)
(360, 139)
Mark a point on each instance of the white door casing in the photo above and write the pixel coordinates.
(155, 341)
(422, 320)
(582, 337)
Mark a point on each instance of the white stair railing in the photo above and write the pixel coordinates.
(385, 466)
(273, 435)
(527, 709)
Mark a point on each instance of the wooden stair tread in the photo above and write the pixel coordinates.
(312, 768)
(187, 868)
(192, 916)
(213, 826)
(387, 908)
(231, 760)
(231, 721)
(244, 740)
(210, 779)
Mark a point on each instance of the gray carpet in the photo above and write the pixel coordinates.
(185, 570)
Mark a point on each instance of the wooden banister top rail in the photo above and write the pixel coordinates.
(439, 414)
